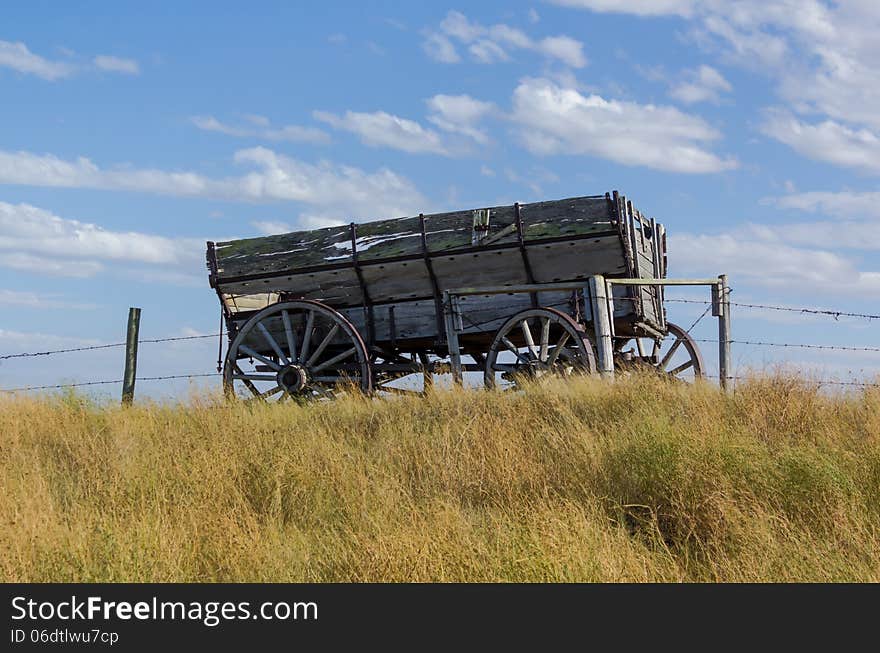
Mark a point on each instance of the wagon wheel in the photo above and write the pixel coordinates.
(676, 356)
(300, 349)
(538, 343)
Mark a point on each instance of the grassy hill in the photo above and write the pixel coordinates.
(638, 480)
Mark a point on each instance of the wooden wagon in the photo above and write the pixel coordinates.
(374, 304)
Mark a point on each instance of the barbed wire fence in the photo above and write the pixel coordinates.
(812, 311)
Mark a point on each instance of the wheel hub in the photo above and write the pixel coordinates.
(293, 378)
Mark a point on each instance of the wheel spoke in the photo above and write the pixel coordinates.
(336, 379)
(681, 368)
(400, 391)
(558, 348)
(335, 359)
(530, 341)
(655, 350)
(288, 331)
(307, 336)
(250, 352)
(510, 346)
(247, 382)
(671, 352)
(545, 339)
(271, 341)
(269, 393)
(320, 350)
(254, 377)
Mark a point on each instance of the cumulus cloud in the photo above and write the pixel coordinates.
(18, 57)
(260, 127)
(822, 55)
(37, 240)
(827, 141)
(460, 114)
(702, 84)
(493, 44)
(766, 260)
(560, 120)
(637, 7)
(844, 204)
(274, 177)
(25, 299)
(117, 65)
(439, 48)
(381, 129)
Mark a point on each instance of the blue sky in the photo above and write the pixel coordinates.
(130, 136)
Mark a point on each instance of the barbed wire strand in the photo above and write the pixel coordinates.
(86, 383)
(107, 346)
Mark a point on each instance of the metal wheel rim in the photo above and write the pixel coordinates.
(298, 367)
(570, 353)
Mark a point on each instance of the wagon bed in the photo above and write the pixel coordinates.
(386, 279)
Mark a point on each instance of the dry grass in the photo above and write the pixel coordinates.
(635, 481)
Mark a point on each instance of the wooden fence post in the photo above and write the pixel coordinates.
(723, 332)
(131, 348)
(602, 325)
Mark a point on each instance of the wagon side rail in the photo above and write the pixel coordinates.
(599, 291)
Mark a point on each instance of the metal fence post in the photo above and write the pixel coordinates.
(131, 348)
(723, 331)
(450, 309)
(602, 325)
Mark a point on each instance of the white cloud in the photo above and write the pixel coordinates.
(439, 48)
(117, 65)
(457, 24)
(49, 266)
(272, 227)
(35, 239)
(638, 7)
(487, 51)
(275, 177)
(355, 193)
(297, 134)
(555, 119)
(491, 44)
(26, 299)
(263, 130)
(460, 114)
(534, 16)
(211, 124)
(34, 340)
(702, 84)
(568, 50)
(827, 141)
(380, 129)
(19, 58)
(848, 204)
(753, 259)
(822, 55)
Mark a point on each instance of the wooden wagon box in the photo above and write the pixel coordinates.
(386, 279)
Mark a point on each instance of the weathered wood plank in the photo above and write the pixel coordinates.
(401, 236)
